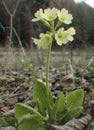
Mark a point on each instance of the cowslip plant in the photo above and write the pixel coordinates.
(48, 112)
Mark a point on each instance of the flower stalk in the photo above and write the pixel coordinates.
(47, 65)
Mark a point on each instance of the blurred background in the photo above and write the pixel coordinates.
(17, 29)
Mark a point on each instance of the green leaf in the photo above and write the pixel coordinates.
(58, 106)
(42, 129)
(42, 97)
(29, 122)
(7, 121)
(22, 109)
(75, 98)
(62, 115)
(74, 113)
(50, 100)
(67, 115)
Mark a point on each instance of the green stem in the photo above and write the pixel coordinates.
(47, 65)
(47, 74)
(59, 23)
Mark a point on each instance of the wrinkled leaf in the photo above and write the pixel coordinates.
(22, 109)
(62, 116)
(42, 97)
(67, 115)
(58, 107)
(74, 113)
(75, 98)
(29, 122)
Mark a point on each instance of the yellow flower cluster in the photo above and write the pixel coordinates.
(48, 17)
(48, 14)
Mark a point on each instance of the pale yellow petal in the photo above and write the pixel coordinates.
(50, 14)
(64, 16)
(70, 38)
(38, 15)
(71, 31)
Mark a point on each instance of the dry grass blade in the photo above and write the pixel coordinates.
(75, 124)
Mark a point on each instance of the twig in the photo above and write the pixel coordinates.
(11, 24)
(5, 7)
(14, 11)
(19, 41)
(17, 3)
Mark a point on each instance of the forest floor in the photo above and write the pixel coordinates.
(17, 74)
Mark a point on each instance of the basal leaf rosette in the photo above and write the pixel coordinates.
(44, 41)
(64, 36)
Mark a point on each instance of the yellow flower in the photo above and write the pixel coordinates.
(64, 16)
(60, 37)
(44, 41)
(37, 42)
(63, 37)
(70, 32)
(38, 15)
(50, 14)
